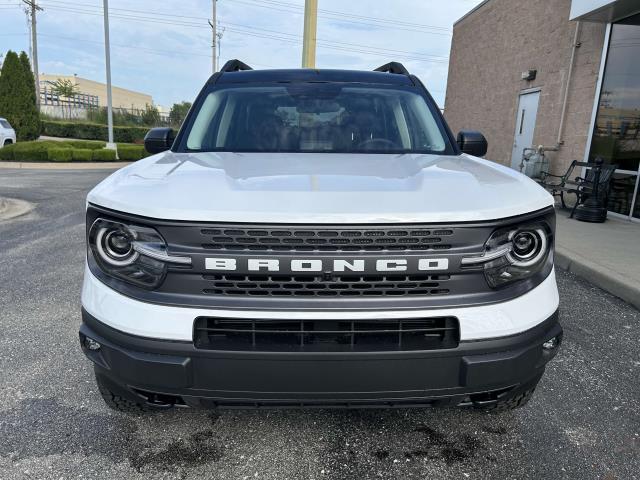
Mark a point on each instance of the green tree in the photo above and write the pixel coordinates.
(150, 116)
(18, 96)
(64, 87)
(178, 112)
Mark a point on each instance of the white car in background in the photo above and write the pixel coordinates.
(7, 133)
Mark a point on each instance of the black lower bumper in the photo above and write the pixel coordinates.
(168, 372)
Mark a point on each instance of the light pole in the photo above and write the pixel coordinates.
(107, 54)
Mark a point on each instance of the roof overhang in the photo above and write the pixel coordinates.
(603, 11)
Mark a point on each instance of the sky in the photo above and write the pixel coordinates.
(163, 48)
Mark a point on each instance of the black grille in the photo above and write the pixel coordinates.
(326, 335)
(318, 286)
(309, 239)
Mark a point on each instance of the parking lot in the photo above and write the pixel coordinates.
(583, 422)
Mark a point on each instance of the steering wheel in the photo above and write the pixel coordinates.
(377, 144)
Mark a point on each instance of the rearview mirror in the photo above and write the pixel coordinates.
(472, 142)
(159, 139)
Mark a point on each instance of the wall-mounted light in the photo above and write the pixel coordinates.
(529, 75)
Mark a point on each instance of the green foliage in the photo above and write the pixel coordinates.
(82, 154)
(131, 153)
(178, 112)
(32, 151)
(18, 97)
(79, 151)
(59, 154)
(64, 88)
(150, 116)
(6, 153)
(86, 144)
(93, 131)
(104, 155)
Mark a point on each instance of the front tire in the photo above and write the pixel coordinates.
(118, 402)
(508, 401)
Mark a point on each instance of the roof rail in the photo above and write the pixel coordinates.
(235, 66)
(393, 67)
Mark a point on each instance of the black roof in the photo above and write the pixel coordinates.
(312, 75)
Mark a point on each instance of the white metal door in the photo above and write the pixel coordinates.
(525, 125)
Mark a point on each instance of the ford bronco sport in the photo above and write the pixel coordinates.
(318, 238)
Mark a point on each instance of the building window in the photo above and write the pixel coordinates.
(616, 137)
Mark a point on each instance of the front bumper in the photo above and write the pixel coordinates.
(163, 372)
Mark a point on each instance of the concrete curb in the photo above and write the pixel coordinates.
(606, 279)
(12, 208)
(65, 166)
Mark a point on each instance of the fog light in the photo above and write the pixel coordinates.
(91, 344)
(550, 344)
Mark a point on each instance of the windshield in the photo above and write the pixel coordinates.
(4, 123)
(315, 117)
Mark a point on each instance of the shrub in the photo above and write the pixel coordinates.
(59, 154)
(82, 154)
(33, 151)
(6, 153)
(92, 131)
(104, 155)
(86, 144)
(130, 153)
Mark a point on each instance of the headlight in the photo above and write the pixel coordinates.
(515, 253)
(129, 252)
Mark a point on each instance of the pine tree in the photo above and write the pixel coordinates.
(18, 97)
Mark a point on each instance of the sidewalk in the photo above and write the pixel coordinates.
(606, 254)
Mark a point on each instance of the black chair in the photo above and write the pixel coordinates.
(582, 188)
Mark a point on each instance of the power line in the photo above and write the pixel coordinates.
(271, 7)
(279, 36)
(289, 8)
(360, 17)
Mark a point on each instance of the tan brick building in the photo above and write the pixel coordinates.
(121, 97)
(531, 72)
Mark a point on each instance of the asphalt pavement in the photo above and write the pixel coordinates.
(583, 422)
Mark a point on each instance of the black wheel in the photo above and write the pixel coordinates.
(506, 401)
(118, 402)
(511, 403)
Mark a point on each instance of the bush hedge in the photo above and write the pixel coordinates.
(92, 131)
(32, 151)
(6, 153)
(81, 154)
(131, 153)
(59, 154)
(103, 155)
(80, 151)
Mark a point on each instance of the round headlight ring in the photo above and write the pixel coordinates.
(111, 246)
(528, 246)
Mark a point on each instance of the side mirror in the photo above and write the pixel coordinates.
(159, 139)
(472, 142)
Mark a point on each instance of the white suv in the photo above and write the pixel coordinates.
(7, 133)
(318, 237)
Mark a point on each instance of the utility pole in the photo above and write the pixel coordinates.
(34, 46)
(107, 54)
(310, 33)
(219, 35)
(214, 37)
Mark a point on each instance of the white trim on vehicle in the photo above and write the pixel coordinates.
(176, 323)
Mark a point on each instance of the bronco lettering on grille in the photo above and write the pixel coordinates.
(324, 265)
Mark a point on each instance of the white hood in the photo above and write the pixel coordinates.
(319, 188)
